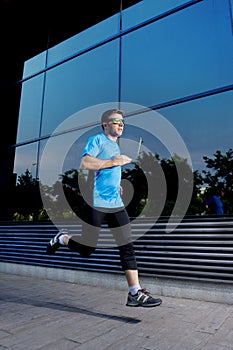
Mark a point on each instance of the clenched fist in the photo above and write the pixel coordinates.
(121, 160)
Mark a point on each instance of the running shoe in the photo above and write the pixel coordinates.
(54, 243)
(143, 298)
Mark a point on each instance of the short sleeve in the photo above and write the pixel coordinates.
(92, 147)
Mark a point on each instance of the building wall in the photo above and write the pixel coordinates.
(172, 61)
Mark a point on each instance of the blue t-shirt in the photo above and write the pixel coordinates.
(106, 187)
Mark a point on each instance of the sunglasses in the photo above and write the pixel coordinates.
(117, 121)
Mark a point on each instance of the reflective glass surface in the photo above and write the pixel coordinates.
(34, 65)
(85, 81)
(206, 125)
(26, 159)
(61, 154)
(85, 39)
(147, 9)
(183, 54)
(30, 109)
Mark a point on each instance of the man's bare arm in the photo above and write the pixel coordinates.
(91, 163)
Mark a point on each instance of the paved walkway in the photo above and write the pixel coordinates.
(45, 314)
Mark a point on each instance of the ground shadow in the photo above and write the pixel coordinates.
(71, 308)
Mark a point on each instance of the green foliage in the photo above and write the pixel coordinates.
(27, 200)
(221, 173)
(220, 176)
(149, 169)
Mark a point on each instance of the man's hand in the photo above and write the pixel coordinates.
(121, 160)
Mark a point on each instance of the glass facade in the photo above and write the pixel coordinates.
(173, 57)
(82, 82)
(186, 53)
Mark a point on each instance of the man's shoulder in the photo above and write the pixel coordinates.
(96, 138)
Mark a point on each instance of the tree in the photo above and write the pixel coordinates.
(220, 176)
(156, 181)
(221, 173)
(134, 195)
(70, 181)
(65, 191)
(27, 200)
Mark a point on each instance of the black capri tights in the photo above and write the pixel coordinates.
(118, 222)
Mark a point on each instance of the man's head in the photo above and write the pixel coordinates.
(113, 123)
(109, 114)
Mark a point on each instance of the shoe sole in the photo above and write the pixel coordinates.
(144, 305)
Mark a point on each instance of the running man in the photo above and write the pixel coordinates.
(101, 155)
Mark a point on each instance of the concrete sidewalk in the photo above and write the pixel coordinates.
(45, 314)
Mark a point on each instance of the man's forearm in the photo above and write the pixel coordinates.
(92, 163)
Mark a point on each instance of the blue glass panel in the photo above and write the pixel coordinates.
(80, 83)
(85, 39)
(34, 65)
(60, 154)
(206, 125)
(185, 53)
(26, 159)
(147, 9)
(30, 109)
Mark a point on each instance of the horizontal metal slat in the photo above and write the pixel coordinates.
(199, 248)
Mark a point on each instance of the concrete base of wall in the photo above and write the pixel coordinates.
(214, 292)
